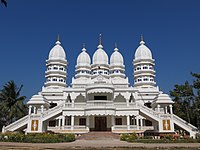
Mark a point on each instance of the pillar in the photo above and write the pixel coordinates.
(42, 108)
(34, 110)
(165, 109)
(87, 121)
(158, 106)
(128, 122)
(63, 121)
(59, 122)
(29, 109)
(141, 123)
(72, 122)
(137, 122)
(170, 109)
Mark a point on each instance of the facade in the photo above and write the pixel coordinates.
(100, 97)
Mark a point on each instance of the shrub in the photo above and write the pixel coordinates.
(124, 137)
(132, 137)
(37, 137)
(129, 137)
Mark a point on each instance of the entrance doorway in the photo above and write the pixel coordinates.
(100, 124)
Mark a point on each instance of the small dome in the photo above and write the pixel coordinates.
(100, 56)
(83, 58)
(57, 52)
(143, 52)
(116, 58)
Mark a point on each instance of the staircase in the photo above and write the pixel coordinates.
(52, 112)
(147, 112)
(185, 125)
(177, 120)
(19, 124)
(22, 123)
(99, 136)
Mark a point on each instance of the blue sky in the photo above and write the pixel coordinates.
(28, 30)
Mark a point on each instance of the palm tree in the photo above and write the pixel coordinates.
(11, 103)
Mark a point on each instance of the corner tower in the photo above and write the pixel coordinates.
(56, 73)
(143, 64)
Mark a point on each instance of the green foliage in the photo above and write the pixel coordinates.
(165, 138)
(168, 137)
(190, 140)
(37, 138)
(187, 100)
(128, 137)
(11, 103)
(124, 137)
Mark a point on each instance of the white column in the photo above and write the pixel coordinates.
(42, 108)
(87, 121)
(128, 122)
(34, 110)
(72, 122)
(170, 108)
(63, 121)
(165, 109)
(141, 122)
(137, 122)
(158, 106)
(29, 109)
(59, 123)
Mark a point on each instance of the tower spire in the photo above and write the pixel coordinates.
(116, 49)
(58, 39)
(142, 40)
(83, 49)
(100, 39)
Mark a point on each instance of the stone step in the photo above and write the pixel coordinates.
(98, 136)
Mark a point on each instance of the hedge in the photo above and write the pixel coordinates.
(37, 137)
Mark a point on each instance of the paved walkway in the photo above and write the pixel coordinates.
(92, 144)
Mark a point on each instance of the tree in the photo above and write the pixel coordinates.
(183, 97)
(196, 86)
(187, 100)
(11, 103)
(4, 2)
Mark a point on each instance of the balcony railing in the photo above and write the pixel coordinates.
(99, 103)
(131, 127)
(67, 127)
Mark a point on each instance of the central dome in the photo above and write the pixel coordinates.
(143, 52)
(100, 56)
(57, 52)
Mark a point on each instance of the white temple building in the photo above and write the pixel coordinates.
(100, 97)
